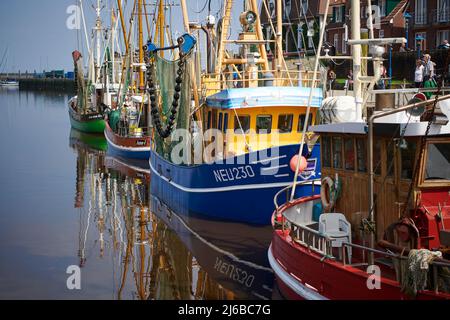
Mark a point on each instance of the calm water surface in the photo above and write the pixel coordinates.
(65, 201)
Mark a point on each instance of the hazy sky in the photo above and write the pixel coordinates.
(37, 38)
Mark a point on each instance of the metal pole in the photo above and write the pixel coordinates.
(308, 110)
(357, 51)
(279, 39)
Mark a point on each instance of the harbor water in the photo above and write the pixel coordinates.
(78, 223)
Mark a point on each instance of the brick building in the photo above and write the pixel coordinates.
(301, 27)
(429, 23)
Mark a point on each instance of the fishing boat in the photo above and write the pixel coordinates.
(380, 227)
(228, 139)
(99, 91)
(127, 129)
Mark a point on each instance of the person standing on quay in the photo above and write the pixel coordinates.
(418, 74)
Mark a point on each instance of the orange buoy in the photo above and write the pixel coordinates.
(303, 164)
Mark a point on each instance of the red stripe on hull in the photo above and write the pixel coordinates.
(332, 280)
(126, 142)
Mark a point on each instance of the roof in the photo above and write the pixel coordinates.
(264, 97)
(399, 8)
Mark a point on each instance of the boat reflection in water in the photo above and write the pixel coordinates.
(153, 252)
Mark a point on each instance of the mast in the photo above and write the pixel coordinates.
(98, 33)
(122, 22)
(161, 26)
(141, 45)
(357, 51)
(279, 53)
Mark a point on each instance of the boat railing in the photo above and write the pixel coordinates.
(143, 132)
(244, 79)
(287, 191)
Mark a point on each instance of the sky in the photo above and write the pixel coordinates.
(35, 35)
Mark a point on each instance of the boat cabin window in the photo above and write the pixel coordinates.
(214, 119)
(209, 120)
(241, 124)
(438, 162)
(326, 151)
(361, 152)
(301, 122)
(264, 124)
(377, 157)
(349, 154)
(220, 124)
(285, 123)
(390, 158)
(337, 152)
(408, 156)
(225, 122)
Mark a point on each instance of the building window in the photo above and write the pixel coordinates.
(382, 4)
(442, 35)
(443, 12)
(381, 34)
(336, 42)
(304, 6)
(337, 152)
(361, 152)
(285, 123)
(264, 124)
(326, 151)
(377, 164)
(241, 124)
(421, 40)
(300, 36)
(220, 126)
(339, 14)
(390, 159)
(421, 12)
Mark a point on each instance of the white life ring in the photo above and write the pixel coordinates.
(327, 204)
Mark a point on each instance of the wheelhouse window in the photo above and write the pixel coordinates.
(349, 154)
(408, 156)
(225, 122)
(285, 123)
(438, 162)
(209, 120)
(326, 151)
(241, 124)
(337, 152)
(301, 122)
(361, 152)
(264, 124)
(220, 126)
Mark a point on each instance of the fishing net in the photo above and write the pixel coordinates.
(416, 275)
(165, 75)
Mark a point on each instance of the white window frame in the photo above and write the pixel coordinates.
(339, 17)
(443, 10)
(421, 12)
(382, 5)
(381, 33)
(442, 35)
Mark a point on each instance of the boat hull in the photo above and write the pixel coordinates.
(303, 275)
(127, 147)
(229, 192)
(88, 123)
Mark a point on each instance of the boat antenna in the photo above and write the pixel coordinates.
(313, 86)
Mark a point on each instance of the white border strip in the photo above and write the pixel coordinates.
(291, 282)
(223, 189)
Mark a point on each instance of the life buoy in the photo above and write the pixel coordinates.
(328, 204)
